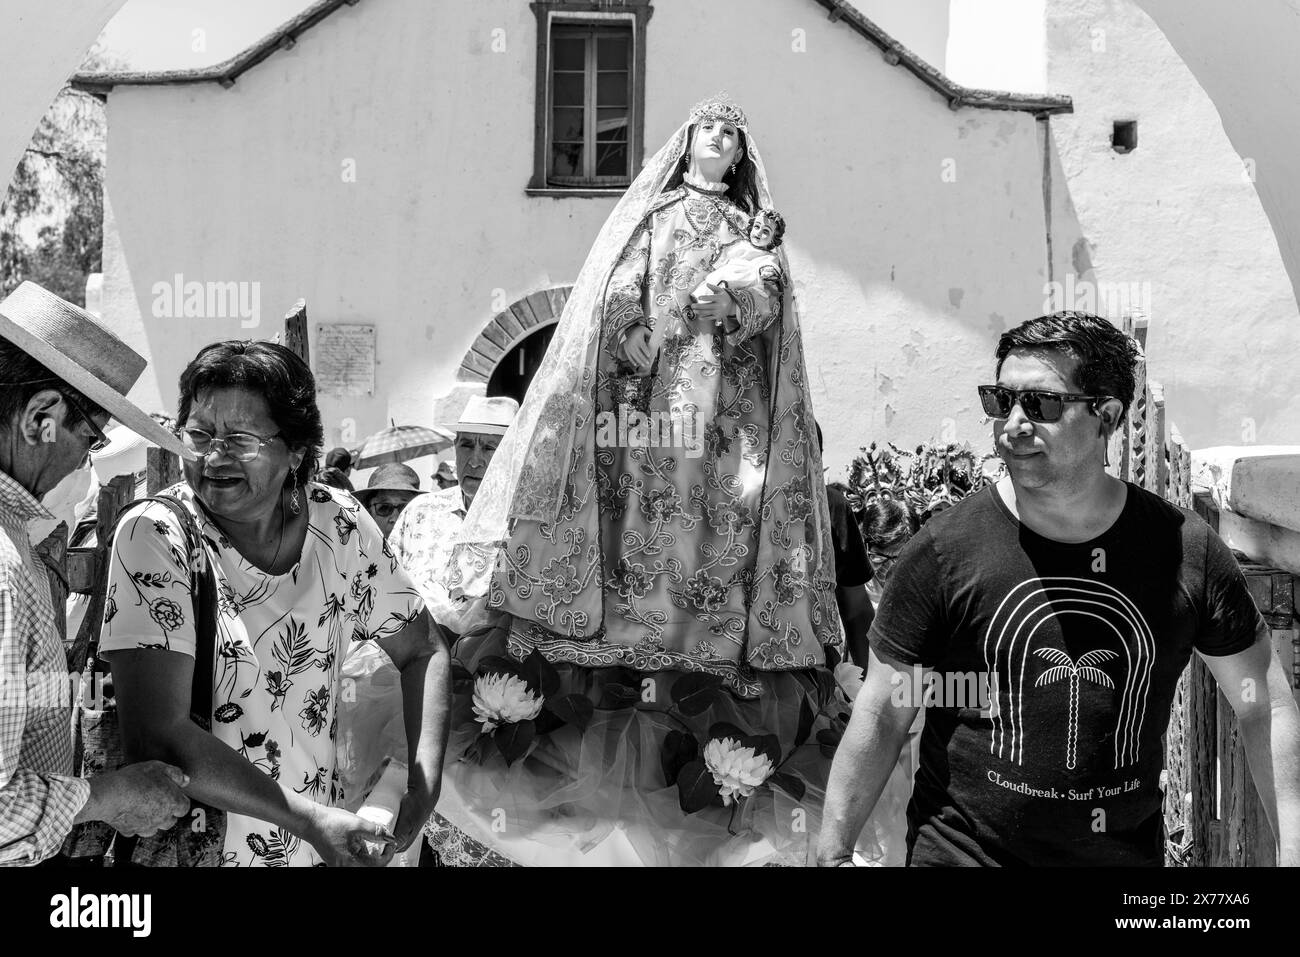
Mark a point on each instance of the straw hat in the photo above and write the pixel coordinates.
(393, 477)
(83, 354)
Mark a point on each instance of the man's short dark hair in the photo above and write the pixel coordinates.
(21, 377)
(338, 458)
(274, 372)
(335, 477)
(1105, 358)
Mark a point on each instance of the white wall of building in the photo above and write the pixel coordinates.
(916, 233)
(1248, 64)
(1179, 218)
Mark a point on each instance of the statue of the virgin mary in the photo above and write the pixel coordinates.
(652, 540)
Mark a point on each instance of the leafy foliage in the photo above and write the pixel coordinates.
(51, 220)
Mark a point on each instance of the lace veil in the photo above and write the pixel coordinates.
(527, 476)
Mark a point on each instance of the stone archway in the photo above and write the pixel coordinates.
(507, 328)
(502, 333)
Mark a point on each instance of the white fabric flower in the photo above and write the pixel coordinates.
(503, 699)
(737, 770)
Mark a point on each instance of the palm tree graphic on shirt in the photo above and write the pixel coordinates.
(1063, 666)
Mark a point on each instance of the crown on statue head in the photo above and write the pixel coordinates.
(721, 106)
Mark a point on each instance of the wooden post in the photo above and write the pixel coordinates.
(295, 331)
(53, 551)
(89, 573)
(1135, 458)
(1158, 465)
(164, 470)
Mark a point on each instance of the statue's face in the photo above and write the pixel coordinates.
(716, 142)
(762, 232)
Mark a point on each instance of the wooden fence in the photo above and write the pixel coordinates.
(1213, 815)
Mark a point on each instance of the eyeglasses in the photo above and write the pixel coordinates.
(240, 446)
(100, 440)
(385, 509)
(1039, 405)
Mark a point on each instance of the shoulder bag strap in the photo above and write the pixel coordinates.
(204, 594)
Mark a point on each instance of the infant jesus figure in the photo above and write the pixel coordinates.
(743, 264)
(735, 294)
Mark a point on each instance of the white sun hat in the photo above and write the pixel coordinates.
(491, 416)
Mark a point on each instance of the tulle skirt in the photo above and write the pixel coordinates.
(605, 795)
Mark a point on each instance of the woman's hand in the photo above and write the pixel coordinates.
(711, 309)
(340, 838)
(415, 811)
(636, 346)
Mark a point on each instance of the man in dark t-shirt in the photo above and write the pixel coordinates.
(1044, 622)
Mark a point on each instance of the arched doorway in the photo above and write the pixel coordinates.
(493, 364)
(515, 370)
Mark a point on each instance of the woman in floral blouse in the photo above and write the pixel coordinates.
(302, 573)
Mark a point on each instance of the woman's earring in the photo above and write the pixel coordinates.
(733, 169)
(295, 505)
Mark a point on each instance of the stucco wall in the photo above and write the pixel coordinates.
(905, 278)
(1248, 64)
(1178, 214)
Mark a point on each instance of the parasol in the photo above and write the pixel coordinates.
(398, 443)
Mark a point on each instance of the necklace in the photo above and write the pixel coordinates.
(701, 185)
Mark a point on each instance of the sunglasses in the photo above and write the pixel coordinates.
(385, 509)
(240, 446)
(1039, 405)
(100, 440)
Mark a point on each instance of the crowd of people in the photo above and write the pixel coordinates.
(584, 645)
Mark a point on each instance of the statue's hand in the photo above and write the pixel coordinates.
(711, 308)
(637, 346)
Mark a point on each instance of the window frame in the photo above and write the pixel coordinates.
(592, 16)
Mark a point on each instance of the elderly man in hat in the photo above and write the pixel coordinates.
(424, 534)
(389, 491)
(62, 376)
(445, 477)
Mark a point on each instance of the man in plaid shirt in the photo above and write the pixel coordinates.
(61, 377)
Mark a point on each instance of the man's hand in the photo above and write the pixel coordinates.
(139, 799)
(637, 346)
(341, 838)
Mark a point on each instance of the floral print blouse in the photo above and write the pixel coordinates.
(281, 640)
